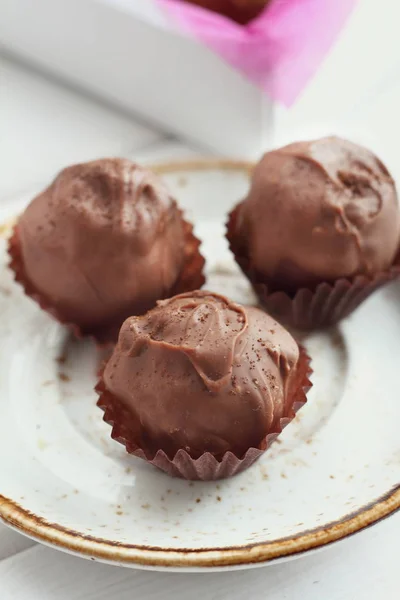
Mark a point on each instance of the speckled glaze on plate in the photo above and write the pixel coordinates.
(334, 471)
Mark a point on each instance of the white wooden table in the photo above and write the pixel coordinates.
(364, 567)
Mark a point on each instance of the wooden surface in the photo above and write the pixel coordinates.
(31, 151)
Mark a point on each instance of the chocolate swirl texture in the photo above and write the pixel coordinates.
(105, 240)
(201, 373)
(318, 211)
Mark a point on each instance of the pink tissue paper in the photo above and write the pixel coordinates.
(280, 50)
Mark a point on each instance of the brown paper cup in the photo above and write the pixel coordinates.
(191, 278)
(125, 429)
(309, 309)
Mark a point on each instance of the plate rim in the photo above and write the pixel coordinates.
(69, 540)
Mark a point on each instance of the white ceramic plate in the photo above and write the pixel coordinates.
(63, 481)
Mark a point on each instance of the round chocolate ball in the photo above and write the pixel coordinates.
(203, 374)
(104, 241)
(318, 211)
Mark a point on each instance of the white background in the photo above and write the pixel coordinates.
(43, 127)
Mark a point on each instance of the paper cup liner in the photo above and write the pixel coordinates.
(190, 278)
(125, 429)
(309, 309)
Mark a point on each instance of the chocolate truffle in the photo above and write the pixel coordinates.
(241, 11)
(103, 242)
(317, 211)
(202, 374)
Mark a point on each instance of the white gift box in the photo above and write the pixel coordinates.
(129, 53)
